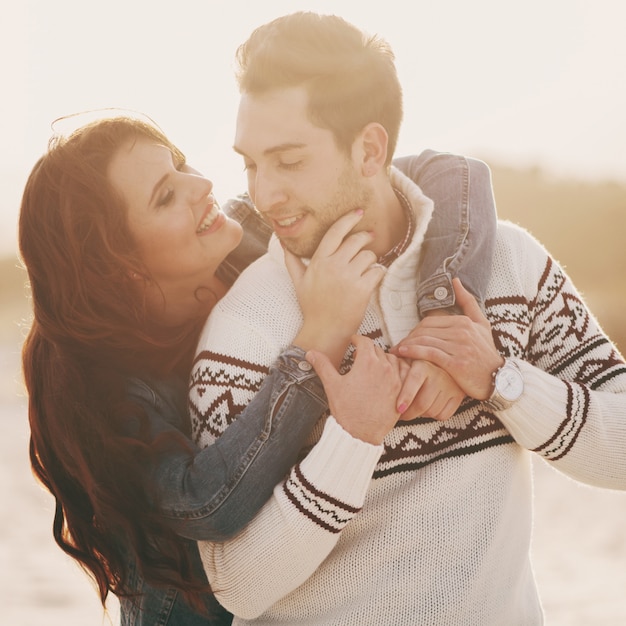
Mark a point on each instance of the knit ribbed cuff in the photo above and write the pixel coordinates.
(341, 465)
(537, 415)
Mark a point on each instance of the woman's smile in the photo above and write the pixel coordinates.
(211, 216)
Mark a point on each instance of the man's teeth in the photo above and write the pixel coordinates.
(209, 219)
(288, 222)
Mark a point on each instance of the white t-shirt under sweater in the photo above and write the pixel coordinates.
(434, 526)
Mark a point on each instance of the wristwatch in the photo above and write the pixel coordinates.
(508, 386)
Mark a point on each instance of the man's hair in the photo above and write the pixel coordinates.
(350, 76)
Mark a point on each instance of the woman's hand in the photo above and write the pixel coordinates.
(462, 345)
(363, 400)
(335, 288)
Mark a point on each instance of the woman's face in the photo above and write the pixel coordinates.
(180, 232)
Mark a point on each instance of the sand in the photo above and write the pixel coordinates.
(579, 543)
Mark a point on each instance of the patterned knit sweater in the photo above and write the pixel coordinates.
(434, 526)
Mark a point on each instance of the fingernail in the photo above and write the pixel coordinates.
(358, 211)
(402, 407)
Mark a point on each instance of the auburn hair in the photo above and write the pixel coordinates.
(91, 331)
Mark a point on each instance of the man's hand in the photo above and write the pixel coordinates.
(363, 400)
(462, 345)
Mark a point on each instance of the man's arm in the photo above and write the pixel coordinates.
(459, 242)
(297, 528)
(303, 520)
(573, 408)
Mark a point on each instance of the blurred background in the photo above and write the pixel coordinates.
(536, 89)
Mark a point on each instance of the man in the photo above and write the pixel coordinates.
(427, 522)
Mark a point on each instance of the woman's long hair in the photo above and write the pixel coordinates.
(91, 330)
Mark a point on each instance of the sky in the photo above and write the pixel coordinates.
(535, 83)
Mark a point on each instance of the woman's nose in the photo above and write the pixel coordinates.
(200, 187)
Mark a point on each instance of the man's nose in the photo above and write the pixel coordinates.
(267, 193)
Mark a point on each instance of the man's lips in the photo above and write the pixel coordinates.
(284, 224)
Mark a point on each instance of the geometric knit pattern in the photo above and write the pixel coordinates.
(434, 526)
(474, 427)
(326, 511)
(233, 376)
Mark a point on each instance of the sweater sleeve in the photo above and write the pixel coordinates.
(573, 409)
(296, 530)
(306, 513)
(240, 341)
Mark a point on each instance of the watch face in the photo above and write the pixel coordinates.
(509, 383)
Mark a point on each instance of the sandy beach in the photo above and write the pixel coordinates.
(579, 544)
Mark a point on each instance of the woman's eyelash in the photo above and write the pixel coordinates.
(167, 198)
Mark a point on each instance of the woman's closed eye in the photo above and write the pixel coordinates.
(166, 197)
(167, 194)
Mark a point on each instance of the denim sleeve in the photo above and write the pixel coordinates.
(212, 493)
(256, 235)
(461, 234)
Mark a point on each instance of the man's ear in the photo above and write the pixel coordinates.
(373, 141)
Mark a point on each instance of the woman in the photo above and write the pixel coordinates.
(123, 276)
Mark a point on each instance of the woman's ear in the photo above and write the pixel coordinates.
(373, 141)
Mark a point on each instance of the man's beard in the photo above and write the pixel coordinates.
(349, 196)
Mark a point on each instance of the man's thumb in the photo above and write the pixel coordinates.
(466, 301)
(322, 365)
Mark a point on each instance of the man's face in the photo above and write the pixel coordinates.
(298, 178)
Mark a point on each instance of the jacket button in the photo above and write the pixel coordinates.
(441, 293)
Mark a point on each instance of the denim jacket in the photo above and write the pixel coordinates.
(215, 492)
(197, 487)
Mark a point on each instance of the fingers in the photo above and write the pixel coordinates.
(449, 408)
(363, 399)
(412, 383)
(347, 246)
(364, 346)
(428, 391)
(434, 354)
(467, 302)
(323, 367)
(338, 231)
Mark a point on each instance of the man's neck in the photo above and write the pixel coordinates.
(392, 225)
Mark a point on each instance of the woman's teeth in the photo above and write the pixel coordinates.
(209, 219)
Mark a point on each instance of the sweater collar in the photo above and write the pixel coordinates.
(388, 258)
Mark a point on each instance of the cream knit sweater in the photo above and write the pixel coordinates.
(433, 527)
